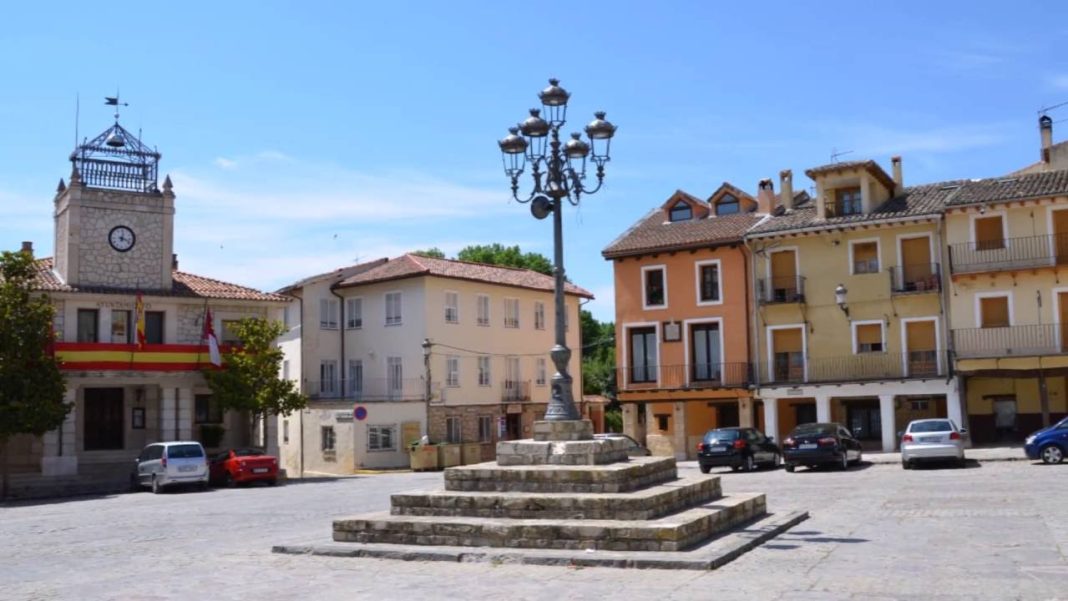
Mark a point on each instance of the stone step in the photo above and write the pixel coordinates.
(674, 532)
(635, 474)
(649, 503)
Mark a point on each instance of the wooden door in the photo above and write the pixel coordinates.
(916, 264)
(788, 352)
(104, 423)
(1060, 236)
(1062, 302)
(921, 346)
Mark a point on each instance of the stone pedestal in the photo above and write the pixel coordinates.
(562, 443)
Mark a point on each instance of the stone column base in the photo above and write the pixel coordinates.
(565, 452)
(579, 429)
(66, 465)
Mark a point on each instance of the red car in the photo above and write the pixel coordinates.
(240, 466)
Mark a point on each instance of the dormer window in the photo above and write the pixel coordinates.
(728, 205)
(847, 201)
(681, 211)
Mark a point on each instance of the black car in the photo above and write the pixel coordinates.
(738, 448)
(820, 444)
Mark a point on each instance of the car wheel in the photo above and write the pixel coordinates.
(272, 482)
(203, 485)
(905, 465)
(157, 488)
(228, 480)
(962, 463)
(1051, 454)
(860, 457)
(776, 461)
(790, 468)
(845, 461)
(750, 464)
(705, 469)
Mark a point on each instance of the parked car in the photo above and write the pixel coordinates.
(244, 465)
(932, 440)
(739, 448)
(634, 448)
(165, 464)
(1050, 444)
(812, 445)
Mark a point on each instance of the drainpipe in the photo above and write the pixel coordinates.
(341, 336)
(300, 346)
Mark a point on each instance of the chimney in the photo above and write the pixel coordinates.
(765, 196)
(174, 262)
(1045, 128)
(786, 188)
(27, 247)
(899, 182)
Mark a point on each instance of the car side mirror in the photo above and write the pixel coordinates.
(771, 439)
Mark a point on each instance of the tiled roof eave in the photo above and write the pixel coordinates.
(428, 273)
(1026, 198)
(633, 252)
(844, 225)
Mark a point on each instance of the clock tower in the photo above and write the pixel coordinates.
(114, 227)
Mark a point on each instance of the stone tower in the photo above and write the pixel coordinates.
(114, 226)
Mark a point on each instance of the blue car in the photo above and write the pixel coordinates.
(1049, 445)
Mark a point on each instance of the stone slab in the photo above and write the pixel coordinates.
(563, 430)
(567, 452)
(646, 504)
(635, 474)
(708, 556)
(674, 532)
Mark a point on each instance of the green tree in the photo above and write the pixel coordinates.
(31, 385)
(508, 256)
(433, 253)
(250, 380)
(598, 355)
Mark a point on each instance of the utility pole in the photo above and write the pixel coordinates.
(429, 387)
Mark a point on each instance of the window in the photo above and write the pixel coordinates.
(653, 291)
(453, 430)
(539, 315)
(705, 352)
(327, 440)
(452, 307)
(708, 282)
(229, 333)
(328, 308)
(88, 323)
(540, 377)
(285, 317)
(154, 327)
(355, 384)
(989, 233)
(869, 337)
(847, 201)
(643, 354)
(511, 373)
(483, 371)
(382, 438)
(452, 370)
(207, 410)
(327, 377)
(994, 312)
(663, 421)
(393, 308)
(865, 257)
(354, 313)
(394, 376)
(285, 431)
(511, 312)
(728, 205)
(680, 211)
(485, 428)
(120, 327)
(483, 310)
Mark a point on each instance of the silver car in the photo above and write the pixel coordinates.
(932, 440)
(164, 464)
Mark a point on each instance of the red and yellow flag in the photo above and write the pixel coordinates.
(139, 311)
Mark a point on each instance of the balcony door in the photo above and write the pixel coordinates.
(643, 347)
(705, 357)
(1062, 304)
(1060, 236)
(783, 276)
(922, 348)
(917, 266)
(788, 356)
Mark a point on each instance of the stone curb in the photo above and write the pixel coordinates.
(709, 556)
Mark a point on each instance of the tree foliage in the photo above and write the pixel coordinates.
(432, 252)
(250, 379)
(598, 355)
(508, 256)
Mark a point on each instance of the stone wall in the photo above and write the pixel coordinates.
(191, 325)
(142, 265)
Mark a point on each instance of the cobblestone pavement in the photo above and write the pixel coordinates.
(992, 531)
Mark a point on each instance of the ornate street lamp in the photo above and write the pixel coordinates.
(559, 173)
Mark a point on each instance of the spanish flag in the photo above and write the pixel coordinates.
(139, 310)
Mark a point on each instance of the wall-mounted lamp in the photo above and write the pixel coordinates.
(840, 298)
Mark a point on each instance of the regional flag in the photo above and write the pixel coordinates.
(139, 311)
(213, 341)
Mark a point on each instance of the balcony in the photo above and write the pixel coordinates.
(789, 289)
(106, 356)
(1008, 254)
(1010, 341)
(367, 389)
(683, 377)
(515, 391)
(916, 279)
(861, 367)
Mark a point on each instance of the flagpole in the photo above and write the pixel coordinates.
(203, 331)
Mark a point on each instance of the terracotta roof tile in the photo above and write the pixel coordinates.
(185, 285)
(408, 266)
(1013, 187)
(655, 233)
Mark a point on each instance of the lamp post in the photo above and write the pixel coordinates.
(840, 297)
(559, 174)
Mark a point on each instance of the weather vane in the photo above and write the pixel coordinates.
(114, 101)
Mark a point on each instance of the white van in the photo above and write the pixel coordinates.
(171, 463)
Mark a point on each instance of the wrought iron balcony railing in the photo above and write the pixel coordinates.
(683, 377)
(367, 389)
(1010, 341)
(1007, 254)
(789, 289)
(860, 367)
(916, 278)
(514, 391)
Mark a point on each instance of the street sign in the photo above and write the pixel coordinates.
(360, 413)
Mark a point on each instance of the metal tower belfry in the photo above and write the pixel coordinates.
(117, 159)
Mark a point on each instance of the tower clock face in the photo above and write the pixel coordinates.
(121, 238)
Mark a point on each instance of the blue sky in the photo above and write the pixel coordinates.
(303, 136)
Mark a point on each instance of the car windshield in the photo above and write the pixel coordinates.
(722, 435)
(933, 426)
(247, 452)
(184, 451)
(814, 430)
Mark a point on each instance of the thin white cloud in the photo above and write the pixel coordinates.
(225, 163)
(1058, 81)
